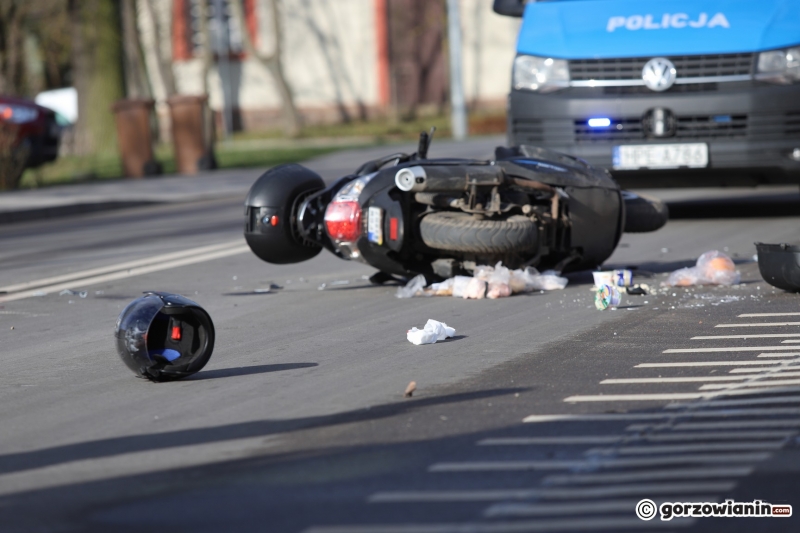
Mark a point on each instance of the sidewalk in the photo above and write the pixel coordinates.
(65, 200)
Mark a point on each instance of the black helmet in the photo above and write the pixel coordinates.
(163, 336)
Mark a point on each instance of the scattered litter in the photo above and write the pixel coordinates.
(414, 286)
(487, 282)
(755, 258)
(606, 296)
(98, 293)
(235, 278)
(620, 278)
(410, 389)
(12, 327)
(432, 332)
(82, 294)
(664, 250)
(713, 268)
(339, 282)
(322, 287)
(638, 290)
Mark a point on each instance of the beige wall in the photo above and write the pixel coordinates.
(330, 57)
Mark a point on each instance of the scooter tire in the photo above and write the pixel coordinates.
(461, 232)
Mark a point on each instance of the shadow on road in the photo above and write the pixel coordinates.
(777, 205)
(248, 371)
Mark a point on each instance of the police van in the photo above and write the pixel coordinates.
(710, 87)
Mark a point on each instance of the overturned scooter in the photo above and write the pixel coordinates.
(405, 214)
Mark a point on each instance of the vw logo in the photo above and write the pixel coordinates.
(659, 74)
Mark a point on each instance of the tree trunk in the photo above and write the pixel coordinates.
(272, 63)
(135, 79)
(97, 71)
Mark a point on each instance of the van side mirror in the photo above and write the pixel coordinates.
(509, 8)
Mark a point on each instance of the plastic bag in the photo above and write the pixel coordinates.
(531, 280)
(444, 288)
(475, 289)
(412, 288)
(460, 285)
(432, 332)
(498, 281)
(712, 268)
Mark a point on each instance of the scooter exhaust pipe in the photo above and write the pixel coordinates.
(447, 178)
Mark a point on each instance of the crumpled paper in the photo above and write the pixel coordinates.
(432, 332)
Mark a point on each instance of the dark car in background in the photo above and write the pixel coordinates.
(29, 137)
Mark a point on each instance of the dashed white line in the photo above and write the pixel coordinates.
(650, 475)
(758, 325)
(533, 526)
(612, 439)
(691, 379)
(521, 466)
(556, 509)
(761, 384)
(706, 363)
(754, 315)
(731, 349)
(752, 336)
(688, 448)
(606, 491)
(795, 354)
(734, 424)
(717, 404)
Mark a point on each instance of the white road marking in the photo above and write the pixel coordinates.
(593, 417)
(692, 379)
(532, 526)
(790, 342)
(795, 354)
(606, 491)
(649, 475)
(777, 370)
(687, 448)
(556, 509)
(119, 266)
(670, 396)
(753, 336)
(759, 325)
(612, 439)
(754, 315)
(733, 403)
(760, 383)
(730, 349)
(136, 271)
(734, 424)
(521, 466)
(706, 363)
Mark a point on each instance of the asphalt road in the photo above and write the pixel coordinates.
(299, 422)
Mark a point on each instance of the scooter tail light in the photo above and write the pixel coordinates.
(343, 220)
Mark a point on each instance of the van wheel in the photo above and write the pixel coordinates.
(644, 213)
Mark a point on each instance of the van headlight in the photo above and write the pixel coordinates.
(779, 66)
(541, 74)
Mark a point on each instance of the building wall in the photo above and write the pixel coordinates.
(331, 59)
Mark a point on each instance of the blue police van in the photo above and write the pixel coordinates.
(644, 87)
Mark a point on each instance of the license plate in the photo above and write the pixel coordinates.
(375, 225)
(635, 156)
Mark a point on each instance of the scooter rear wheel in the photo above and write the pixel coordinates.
(461, 232)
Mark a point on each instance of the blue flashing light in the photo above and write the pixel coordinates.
(599, 122)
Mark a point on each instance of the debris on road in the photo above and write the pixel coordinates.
(486, 282)
(432, 332)
(412, 386)
(607, 296)
(620, 278)
(712, 268)
(82, 294)
(638, 290)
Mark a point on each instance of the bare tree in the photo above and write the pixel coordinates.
(272, 63)
(97, 72)
(135, 78)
